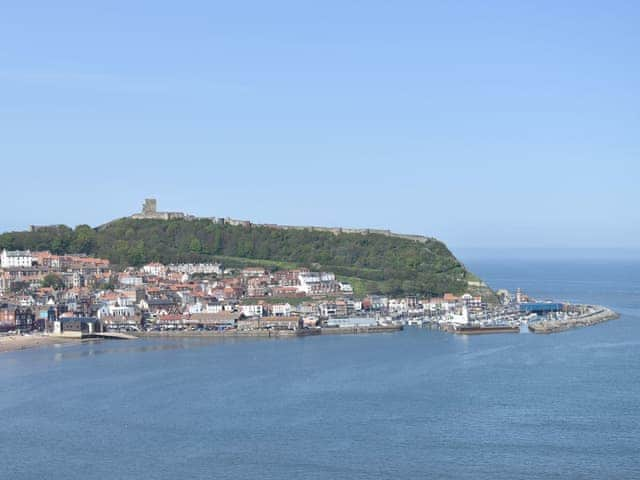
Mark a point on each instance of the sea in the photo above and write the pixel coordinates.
(414, 404)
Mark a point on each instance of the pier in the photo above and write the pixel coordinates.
(596, 314)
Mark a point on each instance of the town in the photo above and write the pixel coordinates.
(80, 296)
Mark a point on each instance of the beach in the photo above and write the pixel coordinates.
(10, 343)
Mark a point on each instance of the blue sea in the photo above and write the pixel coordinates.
(415, 404)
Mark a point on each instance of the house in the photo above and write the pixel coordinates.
(160, 306)
(155, 269)
(253, 272)
(169, 321)
(317, 283)
(130, 280)
(251, 310)
(15, 317)
(16, 258)
(212, 321)
(276, 323)
(281, 310)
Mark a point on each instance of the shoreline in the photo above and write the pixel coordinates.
(14, 343)
(272, 333)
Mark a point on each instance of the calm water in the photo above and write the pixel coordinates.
(419, 404)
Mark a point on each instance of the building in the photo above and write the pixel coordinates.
(122, 322)
(253, 272)
(155, 269)
(150, 211)
(541, 307)
(281, 310)
(317, 283)
(212, 321)
(16, 317)
(76, 326)
(275, 323)
(351, 322)
(130, 280)
(251, 310)
(16, 258)
(192, 268)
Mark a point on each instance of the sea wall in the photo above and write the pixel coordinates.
(272, 333)
(599, 314)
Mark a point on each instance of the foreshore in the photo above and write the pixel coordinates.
(599, 315)
(10, 343)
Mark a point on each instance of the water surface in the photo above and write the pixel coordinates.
(416, 404)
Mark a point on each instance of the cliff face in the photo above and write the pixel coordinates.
(373, 261)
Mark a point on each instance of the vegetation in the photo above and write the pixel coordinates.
(374, 263)
(54, 281)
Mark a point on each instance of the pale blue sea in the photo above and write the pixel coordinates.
(417, 404)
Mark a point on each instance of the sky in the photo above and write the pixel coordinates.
(493, 124)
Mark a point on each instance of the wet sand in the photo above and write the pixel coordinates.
(10, 343)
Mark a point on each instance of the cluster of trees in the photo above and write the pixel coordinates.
(380, 264)
(54, 281)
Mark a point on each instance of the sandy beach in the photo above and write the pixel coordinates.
(10, 343)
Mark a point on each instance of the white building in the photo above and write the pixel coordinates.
(346, 288)
(195, 308)
(130, 281)
(317, 283)
(155, 269)
(16, 258)
(113, 309)
(219, 307)
(5, 284)
(191, 268)
(352, 322)
(398, 305)
(251, 310)
(281, 310)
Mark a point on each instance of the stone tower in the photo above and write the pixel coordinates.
(150, 206)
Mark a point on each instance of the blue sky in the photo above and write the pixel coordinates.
(485, 124)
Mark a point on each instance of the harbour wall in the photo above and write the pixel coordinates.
(599, 315)
(272, 333)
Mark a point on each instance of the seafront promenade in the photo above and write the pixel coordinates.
(272, 333)
(10, 343)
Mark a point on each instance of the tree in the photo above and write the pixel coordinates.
(195, 246)
(54, 281)
(84, 240)
(381, 263)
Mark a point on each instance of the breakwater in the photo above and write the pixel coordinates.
(596, 314)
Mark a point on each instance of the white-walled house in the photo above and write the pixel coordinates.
(281, 310)
(16, 258)
(251, 310)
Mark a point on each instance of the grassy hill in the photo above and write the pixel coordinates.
(374, 263)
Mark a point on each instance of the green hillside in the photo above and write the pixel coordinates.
(374, 263)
